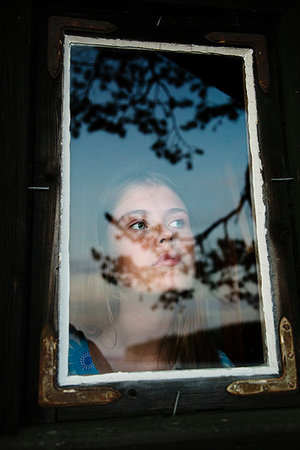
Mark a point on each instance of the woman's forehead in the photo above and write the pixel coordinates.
(148, 197)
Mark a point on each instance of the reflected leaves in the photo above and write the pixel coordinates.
(227, 266)
(231, 269)
(231, 265)
(115, 90)
(172, 297)
(228, 269)
(112, 271)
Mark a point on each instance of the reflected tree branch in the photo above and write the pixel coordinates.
(127, 81)
(144, 90)
(230, 267)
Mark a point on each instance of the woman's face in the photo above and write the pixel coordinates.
(151, 240)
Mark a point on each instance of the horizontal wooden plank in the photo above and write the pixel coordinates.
(216, 429)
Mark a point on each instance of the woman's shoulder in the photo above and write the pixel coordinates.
(80, 360)
(224, 360)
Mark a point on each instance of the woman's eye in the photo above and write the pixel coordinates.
(138, 226)
(178, 223)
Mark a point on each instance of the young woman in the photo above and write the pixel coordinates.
(153, 303)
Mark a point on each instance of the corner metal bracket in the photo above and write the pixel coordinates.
(288, 379)
(57, 26)
(255, 41)
(52, 395)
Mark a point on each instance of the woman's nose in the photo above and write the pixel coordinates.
(165, 235)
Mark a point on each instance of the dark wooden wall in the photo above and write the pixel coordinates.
(16, 137)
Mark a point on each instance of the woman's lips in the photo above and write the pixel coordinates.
(168, 259)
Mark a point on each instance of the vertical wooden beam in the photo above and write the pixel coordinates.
(289, 65)
(15, 252)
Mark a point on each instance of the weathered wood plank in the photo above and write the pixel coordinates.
(257, 429)
(15, 227)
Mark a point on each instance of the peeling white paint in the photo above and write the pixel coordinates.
(64, 256)
(170, 375)
(260, 214)
(271, 366)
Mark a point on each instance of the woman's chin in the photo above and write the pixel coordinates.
(164, 286)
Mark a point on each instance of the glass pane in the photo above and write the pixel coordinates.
(163, 272)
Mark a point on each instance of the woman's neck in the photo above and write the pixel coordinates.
(133, 342)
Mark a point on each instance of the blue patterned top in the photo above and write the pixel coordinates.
(80, 360)
(81, 363)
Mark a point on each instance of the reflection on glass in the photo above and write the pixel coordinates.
(162, 251)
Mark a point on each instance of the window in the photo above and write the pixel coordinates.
(179, 262)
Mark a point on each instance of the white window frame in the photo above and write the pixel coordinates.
(271, 367)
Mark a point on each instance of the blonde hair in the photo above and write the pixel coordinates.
(189, 315)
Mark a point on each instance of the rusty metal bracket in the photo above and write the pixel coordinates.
(50, 394)
(255, 41)
(57, 26)
(288, 379)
